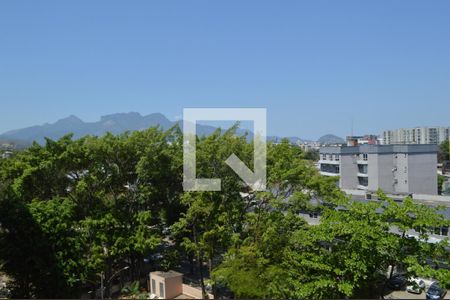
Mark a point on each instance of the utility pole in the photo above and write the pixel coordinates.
(351, 131)
(102, 282)
(102, 288)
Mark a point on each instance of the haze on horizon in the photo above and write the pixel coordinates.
(315, 66)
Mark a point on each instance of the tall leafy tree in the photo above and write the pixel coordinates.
(444, 152)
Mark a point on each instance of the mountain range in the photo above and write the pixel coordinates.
(115, 123)
(328, 139)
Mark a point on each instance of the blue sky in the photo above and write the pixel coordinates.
(314, 65)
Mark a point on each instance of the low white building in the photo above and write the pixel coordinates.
(395, 169)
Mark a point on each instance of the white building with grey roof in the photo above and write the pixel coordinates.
(395, 169)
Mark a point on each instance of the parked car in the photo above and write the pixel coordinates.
(397, 282)
(435, 292)
(415, 286)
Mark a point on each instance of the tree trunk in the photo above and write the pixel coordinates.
(392, 271)
(200, 262)
(202, 281)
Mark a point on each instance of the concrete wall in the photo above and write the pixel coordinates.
(385, 174)
(401, 175)
(422, 176)
(172, 286)
(194, 292)
(372, 171)
(348, 172)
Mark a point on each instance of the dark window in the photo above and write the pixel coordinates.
(313, 215)
(364, 181)
(153, 286)
(441, 230)
(329, 168)
(362, 169)
(161, 290)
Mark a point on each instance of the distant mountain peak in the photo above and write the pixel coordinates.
(328, 139)
(114, 123)
(121, 116)
(72, 119)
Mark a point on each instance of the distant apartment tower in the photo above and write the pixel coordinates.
(395, 169)
(417, 135)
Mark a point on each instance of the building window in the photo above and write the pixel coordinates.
(362, 169)
(365, 156)
(324, 157)
(153, 286)
(161, 290)
(336, 157)
(313, 215)
(329, 168)
(364, 181)
(441, 230)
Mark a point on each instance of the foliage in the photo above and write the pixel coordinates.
(441, 180)
(89, 204)
(444, 152)
(72, 209)
(346, 255)
(133, 291)
(312, 155)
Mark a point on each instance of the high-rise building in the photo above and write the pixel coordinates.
(417, 135)
(395, 169)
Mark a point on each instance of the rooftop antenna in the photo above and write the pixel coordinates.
(351, 133)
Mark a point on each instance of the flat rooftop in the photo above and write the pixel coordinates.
(380, 149)
(168, 274)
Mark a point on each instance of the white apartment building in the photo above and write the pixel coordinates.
(417, 135)
(395, 169)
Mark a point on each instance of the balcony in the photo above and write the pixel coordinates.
(363, 182)
(329, 173)
(329, 162)
(361, 187)
(329, 169)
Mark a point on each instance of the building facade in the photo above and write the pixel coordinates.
(370, 139)
(169, 285)
(395, 169)
(418, 135)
